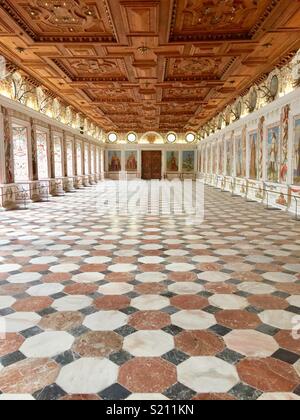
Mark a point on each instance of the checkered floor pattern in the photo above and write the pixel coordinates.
(149, 307)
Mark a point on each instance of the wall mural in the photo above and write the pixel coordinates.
(229, 157)
(92, 160)
(86, 159)
(239, 157)
(297, 152)
(79, 158)
(215, 158)
(284, 144)
(42, 154)
(221, 157)
(172, 158)
(70, 158)
(131, 160)
(20, 153)
(114, 161)
(188, 161)
(253, 150)
(58, 156)
(273, 153)
(261, 143)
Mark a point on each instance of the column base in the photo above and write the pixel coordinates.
(56, 188)
(68, 185)
(40, 191)
(78, 183)
(86, 181)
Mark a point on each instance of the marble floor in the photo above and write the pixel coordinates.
(149, 307)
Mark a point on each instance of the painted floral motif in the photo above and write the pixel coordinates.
(42, 154)
(253, 147)
(284, 144)
(20, 153)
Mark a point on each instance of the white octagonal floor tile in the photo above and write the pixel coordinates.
(193, 320)
(24, 278)
(251, 343)
(214, 276)
(88, 376)
(116, 289)
(228, 301)
(207, 375)
(150, 302)
(6, 301)
(21, 321)
(148, 343)
(46, 289)
(105, 321)
(72, 303)
(90, 277)
(151, 277)
(48, 344)
(279, 319)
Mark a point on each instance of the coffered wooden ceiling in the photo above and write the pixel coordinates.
(149, 64)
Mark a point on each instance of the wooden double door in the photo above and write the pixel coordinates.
(151, 164)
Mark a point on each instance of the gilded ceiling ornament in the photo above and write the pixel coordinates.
(217, 14)
(74, 15)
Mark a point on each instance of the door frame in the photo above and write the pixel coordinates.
(161, 161)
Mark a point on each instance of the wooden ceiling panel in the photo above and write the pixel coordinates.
(149, 64)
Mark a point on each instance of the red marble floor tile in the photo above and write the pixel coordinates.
(268, 375)
(108, 303)
(247, 276)
(100, 254)
(98, 344)
(214, 397)
(151, 268)
(28, 376)
(80, 289)
(183, 277)
(124, 260)
(154, 253)
(199, 343)
(35, 268)
(286, 341)
(93, 268)
(13, 289)
(62, 321)
(220, 288)
(238, 320)
(80, 397)
(32, 304)
(178, 260)
(229, 259)
(209, 267)
(189, 302)
(10, 344)
(119, 277)
(291, 288)
(270, 268)
(147, 375)
(3, 276)
(150, 289)
(200, 252)
(56, 277)
(149, 320)
(268, 302)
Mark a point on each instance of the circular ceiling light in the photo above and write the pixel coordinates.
(112, 137)
(190, 137)
(171, 137)
(131, 137)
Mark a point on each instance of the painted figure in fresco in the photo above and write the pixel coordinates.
(131, 164)
(273, 154)
(239, 163)
(297, 154)
(253, 157)
(172, 163)
(115, 163)
(188, 161)
(284, 149)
